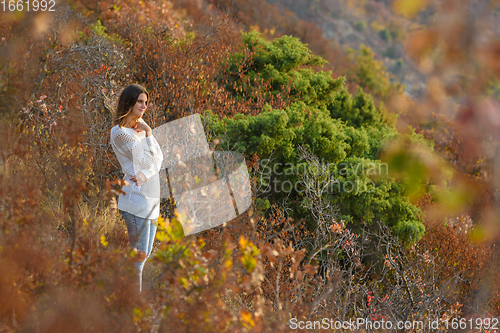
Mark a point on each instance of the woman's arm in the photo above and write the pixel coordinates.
(145, 154)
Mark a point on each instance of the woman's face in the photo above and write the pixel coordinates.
(140, 106)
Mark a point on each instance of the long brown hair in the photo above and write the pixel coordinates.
(126, 102)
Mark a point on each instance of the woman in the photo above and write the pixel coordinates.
(140, 158)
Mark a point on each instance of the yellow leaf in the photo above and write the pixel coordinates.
(162, 236)
(248, 262)
(103, 241)
(246, 319)
(409, 8)
(161, 223)
(185, 283)
(243, 242)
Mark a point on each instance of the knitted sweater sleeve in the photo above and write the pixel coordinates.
(144, 155)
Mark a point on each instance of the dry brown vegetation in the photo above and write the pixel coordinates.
(65, 265)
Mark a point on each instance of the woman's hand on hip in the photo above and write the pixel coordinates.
(139, 179)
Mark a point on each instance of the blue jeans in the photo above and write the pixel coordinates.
(141, 233)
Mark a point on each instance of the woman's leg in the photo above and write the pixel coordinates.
(139, 233)
(152, 235)
(150, 232)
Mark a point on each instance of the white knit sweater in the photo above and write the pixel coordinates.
(136, 152)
